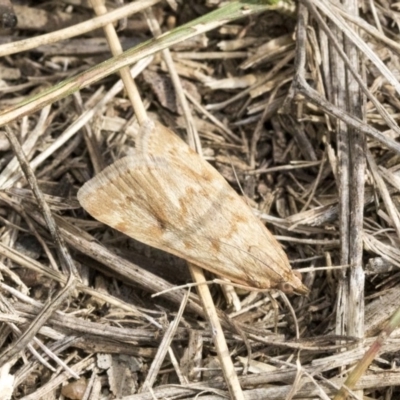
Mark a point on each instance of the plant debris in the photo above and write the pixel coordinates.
(298, 111)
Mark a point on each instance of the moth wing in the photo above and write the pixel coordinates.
(240, 236)
(170, 198)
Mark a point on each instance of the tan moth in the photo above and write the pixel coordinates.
(169, 197)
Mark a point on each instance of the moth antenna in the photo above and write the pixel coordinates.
(218, 281)
(237, 285)
(186, 286)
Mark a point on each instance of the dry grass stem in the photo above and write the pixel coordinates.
(297, 109)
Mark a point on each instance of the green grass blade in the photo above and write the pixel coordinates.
(212, 20)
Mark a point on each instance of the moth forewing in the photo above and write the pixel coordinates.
(170, 198)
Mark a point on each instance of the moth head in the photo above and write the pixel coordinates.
(286, 288)
(295, 286)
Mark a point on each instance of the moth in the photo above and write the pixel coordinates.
(169, 197)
